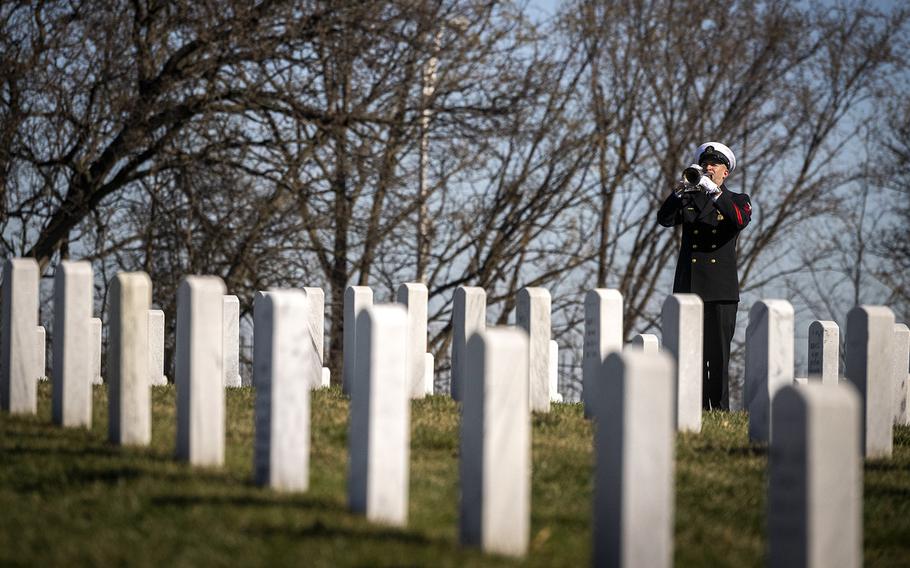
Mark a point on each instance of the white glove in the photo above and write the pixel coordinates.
(709, 186)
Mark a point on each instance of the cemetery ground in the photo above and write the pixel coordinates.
(68, 497)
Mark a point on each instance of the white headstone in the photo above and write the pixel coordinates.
(901, 368)
(603, 335)
(129, 395)
(96, 351)
(198, 372)
(815, 478)
(649, 343)
(682, 319)
(801, 381)
(380, 430)
(356, 298)
(634, 452)
(496, 443)
(230, 329)
(41, 352)
(287, 365)
(156, 348)
(429, 375)
(533, 315)
(414, 296)
(71, 401)
(769, 362)
(19, 369)
(554, 372)
(870, 334)
(824, 349)
(469, 316)
(316, 301)
(326, 378)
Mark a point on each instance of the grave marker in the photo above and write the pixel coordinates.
(356, 298)
(815, 478)
(533, 315)
(647, 342)
(71, 399)
(554, 372)
(286, 366)
(870, 335)
(682, 319)
(19, 369)
(824, 348)
(230, 318)
(469, 316)
(129, 402)
(769, 362)
(414, 296)
(495, 463)
(96, 351)
(603, 335)
(156, 348)
(634, 451)
(380, 417)
(199, 378)
(901, 367)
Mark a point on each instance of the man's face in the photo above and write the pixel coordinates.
(717, 172)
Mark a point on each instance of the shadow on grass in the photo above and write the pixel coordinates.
(318, 529)
(264, 500)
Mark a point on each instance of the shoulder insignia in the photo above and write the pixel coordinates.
(720, 217)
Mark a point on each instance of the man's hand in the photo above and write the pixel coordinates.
(709, 186)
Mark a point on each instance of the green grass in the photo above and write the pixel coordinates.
(67, 497)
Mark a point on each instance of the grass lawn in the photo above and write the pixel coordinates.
(67, 497)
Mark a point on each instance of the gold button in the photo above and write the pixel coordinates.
(714, 231)
(693, 261)
(713, 261)
(695, 232)
(714, 246)
(695, 246)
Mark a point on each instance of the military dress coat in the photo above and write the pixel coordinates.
(707, 255)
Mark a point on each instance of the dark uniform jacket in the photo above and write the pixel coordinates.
(707, 257)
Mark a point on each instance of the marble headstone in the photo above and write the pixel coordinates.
(901, 368)
(199, 378)
(603, 335)
(469, 316)
(823, 353)
(815, 478)
(554, 372)
(96, 351)
(19, 366)
(870, 335)
(156, 348)
(533, 316)
(380, 417)
(71, 401)
(287, 365)
(495, 456)
(129, 398)
(647, 342)
(230, 329)
(429, 374)
(414, 296)
(769, 362)
(356, 298)
(41, 352)
(682, 318)
(634, 469)
(316, 301)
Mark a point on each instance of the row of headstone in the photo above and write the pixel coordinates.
(635, 404)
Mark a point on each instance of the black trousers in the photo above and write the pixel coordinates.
(720, 323)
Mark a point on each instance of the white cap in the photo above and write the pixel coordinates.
(716, 148)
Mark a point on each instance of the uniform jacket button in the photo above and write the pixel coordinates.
(695, 232)
(714, 231)
(714, 246)
(713, 261)
(694, 261)
(695, 246)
